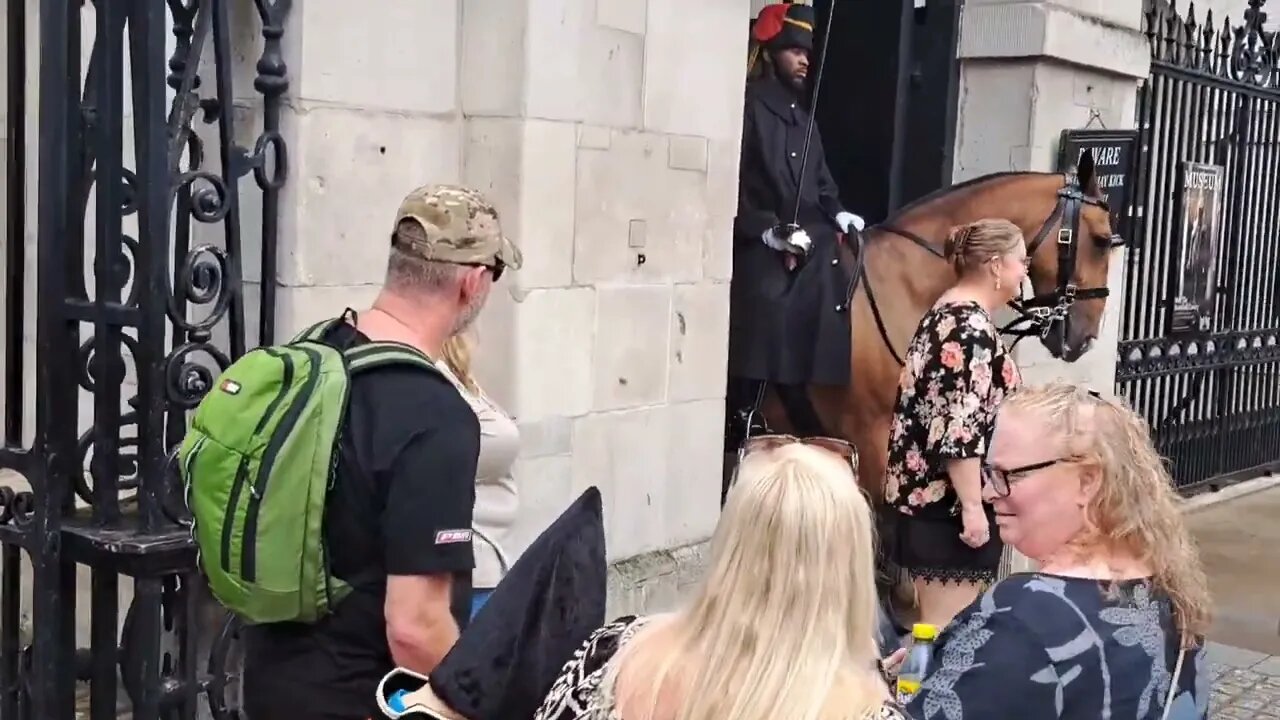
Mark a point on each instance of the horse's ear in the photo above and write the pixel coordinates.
(1086, 170)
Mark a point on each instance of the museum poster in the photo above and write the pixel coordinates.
(1199, 229)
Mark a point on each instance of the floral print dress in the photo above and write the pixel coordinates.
(957, 372)
(1046, 646)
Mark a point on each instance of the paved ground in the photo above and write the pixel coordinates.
(1246, 684)
(1240, 544)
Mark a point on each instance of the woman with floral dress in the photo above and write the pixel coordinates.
(957, 372)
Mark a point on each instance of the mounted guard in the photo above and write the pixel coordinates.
(785, 329)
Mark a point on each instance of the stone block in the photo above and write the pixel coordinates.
(699, 341)
(527, 167)
(626, 15)
(655, 582)
(997, 104)
(555, 330)
(585, 72)
(403, 57)
(545, 488)
(631, 181)
(695, 453)
(299, 307)
(547, 204)
(351, 169)
(687, 153)
(594, 137)
(493, 57)
(626, 455)
(1043, 29)
(493, 342)
(546, 438)
(632, 335)
(723, 158)
(703, 97)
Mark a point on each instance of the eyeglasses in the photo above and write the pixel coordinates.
(1000, 479)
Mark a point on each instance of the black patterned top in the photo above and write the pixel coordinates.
(578, 694)
(1047, 646)
(956, 375)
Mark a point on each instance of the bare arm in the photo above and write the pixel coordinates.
(966, 478)
(420, 625)
(426, 526)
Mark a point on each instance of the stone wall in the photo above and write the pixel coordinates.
(610, 142)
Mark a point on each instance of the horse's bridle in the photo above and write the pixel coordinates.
(1041, 311)
(1038, 313)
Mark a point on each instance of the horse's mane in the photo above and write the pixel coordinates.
(957, 187)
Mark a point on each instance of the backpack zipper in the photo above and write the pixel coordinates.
(242, 472)
(335, 453)
(249, 544)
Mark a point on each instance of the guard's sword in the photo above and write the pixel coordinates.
(813, 110)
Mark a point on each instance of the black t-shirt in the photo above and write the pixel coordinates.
(405, 480)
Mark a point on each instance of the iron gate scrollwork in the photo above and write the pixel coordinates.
(126, 318)
(1212, 397)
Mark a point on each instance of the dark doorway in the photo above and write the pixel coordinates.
(887, 111)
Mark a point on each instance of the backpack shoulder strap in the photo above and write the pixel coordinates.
(377, 354)
(315, 332)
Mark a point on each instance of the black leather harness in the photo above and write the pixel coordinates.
(1036, 315)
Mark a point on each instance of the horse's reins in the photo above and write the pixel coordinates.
(1041, 311)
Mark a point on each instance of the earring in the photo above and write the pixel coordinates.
(997, 282)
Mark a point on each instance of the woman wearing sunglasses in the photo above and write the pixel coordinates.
(1112, 624)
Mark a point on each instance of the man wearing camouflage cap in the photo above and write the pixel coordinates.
(398, 518)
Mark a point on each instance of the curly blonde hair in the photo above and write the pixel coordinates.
(1135, 508)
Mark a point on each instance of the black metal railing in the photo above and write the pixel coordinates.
(129, 297)
(1213, 397)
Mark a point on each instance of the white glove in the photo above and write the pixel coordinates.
(800, 239)
(849, 222)
(797, 243)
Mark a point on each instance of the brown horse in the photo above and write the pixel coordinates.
(900, 273)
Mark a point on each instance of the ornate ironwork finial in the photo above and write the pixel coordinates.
(1255, 17)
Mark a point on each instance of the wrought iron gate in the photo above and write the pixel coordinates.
(139, 302)
(1212, 397)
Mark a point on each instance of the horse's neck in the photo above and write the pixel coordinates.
(920, 276)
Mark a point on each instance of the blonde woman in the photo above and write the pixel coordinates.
(497, 500)
(784, 624)
(1112, 625)
(957, 372)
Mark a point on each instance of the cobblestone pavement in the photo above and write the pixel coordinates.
(1246, 684)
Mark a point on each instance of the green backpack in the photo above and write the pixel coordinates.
(258, 462)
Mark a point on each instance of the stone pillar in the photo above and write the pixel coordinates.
(1028, 71)
(607, 131)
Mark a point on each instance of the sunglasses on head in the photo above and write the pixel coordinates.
(774, 441)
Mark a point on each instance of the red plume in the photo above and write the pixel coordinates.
(769, 23)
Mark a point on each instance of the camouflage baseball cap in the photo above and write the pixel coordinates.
(460, 226)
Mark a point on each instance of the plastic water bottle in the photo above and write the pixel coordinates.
(916, 667)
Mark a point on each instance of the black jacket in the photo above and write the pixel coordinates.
(773, 129)
(784, 325)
